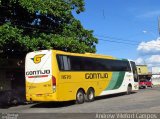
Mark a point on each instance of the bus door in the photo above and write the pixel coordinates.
(134, 69)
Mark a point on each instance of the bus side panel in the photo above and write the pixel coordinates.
(70, 82)
(119, 83)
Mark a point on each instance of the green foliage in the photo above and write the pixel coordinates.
(28, 25)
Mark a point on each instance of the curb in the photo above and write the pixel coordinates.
(158, 85)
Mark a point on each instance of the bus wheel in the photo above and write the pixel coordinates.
(129, 89)
(90, 95)
(80, 97)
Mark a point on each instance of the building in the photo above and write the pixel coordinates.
(142, 69)
(156, 75)
(143, 72)
(155, 70)
(12, 77)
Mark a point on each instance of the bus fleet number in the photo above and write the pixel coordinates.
(66, 76)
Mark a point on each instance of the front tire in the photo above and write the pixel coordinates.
(129, 90)
(90, 95)
(80, 97)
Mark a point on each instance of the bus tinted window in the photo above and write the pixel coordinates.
(64, 63)
(76, 63)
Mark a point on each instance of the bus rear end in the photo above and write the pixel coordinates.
(40, 82)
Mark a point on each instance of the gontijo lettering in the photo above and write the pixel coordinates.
(38, 72)
(96, 75)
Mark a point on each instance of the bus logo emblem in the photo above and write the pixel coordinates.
(37, 58)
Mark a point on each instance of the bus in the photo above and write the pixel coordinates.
(53, 75)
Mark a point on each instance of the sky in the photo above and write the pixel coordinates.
(125, 28)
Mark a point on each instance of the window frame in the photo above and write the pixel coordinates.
(92, 60)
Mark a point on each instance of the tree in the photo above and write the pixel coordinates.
(28, 25)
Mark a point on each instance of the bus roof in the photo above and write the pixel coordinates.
(83, 54)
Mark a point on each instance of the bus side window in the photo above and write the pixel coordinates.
(64, 63)
(75, 63)
(60, 62)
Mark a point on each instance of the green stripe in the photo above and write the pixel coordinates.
(120, 80)
(113, 81)
(116, 81)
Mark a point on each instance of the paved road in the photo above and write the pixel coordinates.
(144, 101)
